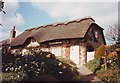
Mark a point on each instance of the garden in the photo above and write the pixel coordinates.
(108, 71)
(37, 66)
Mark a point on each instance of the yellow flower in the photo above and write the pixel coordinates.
(33, 62)
(64, 67)
(48, 56)
(103, 65)
(118, 49)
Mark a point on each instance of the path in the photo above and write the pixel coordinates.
(87, 75)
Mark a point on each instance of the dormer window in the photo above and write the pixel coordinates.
(33, 40)
(96, 34)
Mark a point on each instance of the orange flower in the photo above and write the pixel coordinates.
(112, 55)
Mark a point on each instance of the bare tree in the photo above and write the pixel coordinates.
(2, 6)
(112, 33)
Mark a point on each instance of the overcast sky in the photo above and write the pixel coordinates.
(32, 13)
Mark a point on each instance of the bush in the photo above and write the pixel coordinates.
(36, 65)
(113, 59)
(109, 75)
(72, 64)
(100, 51)
(67, 60)
(92, 65)
(112, 55)
(13, 76)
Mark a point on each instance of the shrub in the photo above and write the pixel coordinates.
(109, 75)
(112, 56)
(92, 65)
(113, 59)
(67, 60)
(100, 51)
(37, 65)
(13, 76)
(72, 64)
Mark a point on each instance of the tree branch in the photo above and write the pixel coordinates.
(112, 33)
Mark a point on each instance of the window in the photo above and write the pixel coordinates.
(57, 51)
(33, 40)
(96, 34)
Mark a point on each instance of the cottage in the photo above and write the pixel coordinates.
(77, 39)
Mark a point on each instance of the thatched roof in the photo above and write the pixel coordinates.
(72, 29)
(6, 41)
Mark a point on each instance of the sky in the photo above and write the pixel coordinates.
(26, 14)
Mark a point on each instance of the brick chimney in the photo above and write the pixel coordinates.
(12, 34)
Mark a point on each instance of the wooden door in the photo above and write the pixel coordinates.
(74, 54)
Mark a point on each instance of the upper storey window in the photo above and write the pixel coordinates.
(96, 34)
(33, 40)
